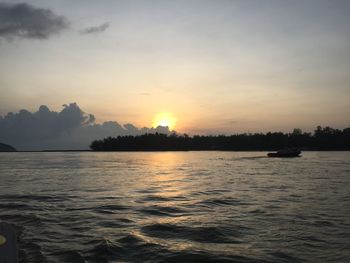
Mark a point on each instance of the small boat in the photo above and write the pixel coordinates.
(285, 153)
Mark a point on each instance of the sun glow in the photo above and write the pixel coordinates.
(164, 119)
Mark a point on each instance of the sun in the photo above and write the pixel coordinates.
(164, 119)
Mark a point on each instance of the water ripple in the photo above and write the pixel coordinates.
(199, 234)
(177, 207)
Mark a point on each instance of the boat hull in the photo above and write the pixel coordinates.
(283, 155)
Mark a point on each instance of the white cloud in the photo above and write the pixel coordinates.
(70, 128)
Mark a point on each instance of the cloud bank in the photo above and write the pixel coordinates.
(26, 21)
(71, 128)
(95, 29)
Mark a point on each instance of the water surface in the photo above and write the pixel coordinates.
(177, 206)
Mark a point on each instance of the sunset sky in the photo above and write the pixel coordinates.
(218, 66)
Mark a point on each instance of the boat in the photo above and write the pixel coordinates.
(288, 152)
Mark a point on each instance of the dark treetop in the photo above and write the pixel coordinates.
(322, 139)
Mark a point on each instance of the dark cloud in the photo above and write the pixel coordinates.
(95, 29)
(70, 128)
(26, 21)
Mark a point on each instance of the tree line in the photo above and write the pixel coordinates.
(325, 138)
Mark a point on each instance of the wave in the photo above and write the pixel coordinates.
(218, 234)
(163, 211)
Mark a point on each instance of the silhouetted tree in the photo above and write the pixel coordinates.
(323, 139)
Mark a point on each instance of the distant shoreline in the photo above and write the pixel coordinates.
(323, 139)
(72, 151)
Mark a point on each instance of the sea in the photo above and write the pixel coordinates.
(177, 206)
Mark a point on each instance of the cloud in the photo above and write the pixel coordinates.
(95, 29)
(71, 128)
(26, 21)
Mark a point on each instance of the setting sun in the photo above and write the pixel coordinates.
(164, 119)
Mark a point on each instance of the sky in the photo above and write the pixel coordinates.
(212, 67)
